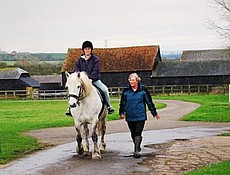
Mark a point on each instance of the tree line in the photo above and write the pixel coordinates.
(36, 56)
(35, 67)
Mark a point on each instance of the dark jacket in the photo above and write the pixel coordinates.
(91, 67)
(133, 104)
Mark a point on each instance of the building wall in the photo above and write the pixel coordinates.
(11, 85)
(50, 86)
(120, 79)
(191, 80)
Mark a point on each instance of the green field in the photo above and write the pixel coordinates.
(17, 117)
(11, 63)
(214, 108)
(222, 168)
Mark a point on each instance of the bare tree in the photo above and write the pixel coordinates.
(222, 24)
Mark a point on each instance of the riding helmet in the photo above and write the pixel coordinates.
(87, 44)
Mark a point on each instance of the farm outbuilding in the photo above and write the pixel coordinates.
(192, 72)
(195, 67)
(49, 82)
(206, 55)
(16, 79)
(117, 63)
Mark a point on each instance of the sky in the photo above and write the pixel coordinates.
(56, 25)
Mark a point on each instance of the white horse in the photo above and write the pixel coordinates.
(86, 108)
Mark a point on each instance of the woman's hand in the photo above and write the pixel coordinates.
(157, 116)
(122, 116)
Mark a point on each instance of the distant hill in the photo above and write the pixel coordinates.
(38, 56)
(171, 54)
(61, 56)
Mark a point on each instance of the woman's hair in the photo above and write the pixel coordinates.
(135, 75)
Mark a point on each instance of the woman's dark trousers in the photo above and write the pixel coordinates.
(136, 128)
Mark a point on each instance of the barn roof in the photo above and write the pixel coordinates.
(192, 68)
(47, 78)
(18, 73)
(12, 73)
(124, 59)
(30, 82)
(214, 54)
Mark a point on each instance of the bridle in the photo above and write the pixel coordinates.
(78, 97)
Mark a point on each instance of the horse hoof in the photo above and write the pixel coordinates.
(80, 151)
(96, 156)
(102, 148)
(86, 153)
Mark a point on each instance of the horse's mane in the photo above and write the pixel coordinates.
(86, 83)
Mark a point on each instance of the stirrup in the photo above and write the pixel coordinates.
(110, 110)
(68, 113)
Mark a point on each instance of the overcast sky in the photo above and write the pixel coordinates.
(56, 25)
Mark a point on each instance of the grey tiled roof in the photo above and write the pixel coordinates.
(30, 81)
(12, 73)
(47, 78)
(214, 54)
(192, 68)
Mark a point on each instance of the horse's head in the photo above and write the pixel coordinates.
(79, 86)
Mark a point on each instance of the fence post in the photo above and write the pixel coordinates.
(229, 93)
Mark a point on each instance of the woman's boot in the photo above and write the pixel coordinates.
(137, 146)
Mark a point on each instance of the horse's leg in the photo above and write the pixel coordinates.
(85, 139)
(102, 130)
(79, 148)
(95, 151)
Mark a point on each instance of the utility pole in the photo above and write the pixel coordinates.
(106, 44)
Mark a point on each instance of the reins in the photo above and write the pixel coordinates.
(78, 97)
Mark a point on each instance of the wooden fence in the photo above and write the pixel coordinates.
(33, 94)
(179, 89)
(116, 91)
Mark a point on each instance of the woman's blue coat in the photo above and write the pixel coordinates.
(133, 104)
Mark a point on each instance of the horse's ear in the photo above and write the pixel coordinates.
(67, 74)
(78, 74)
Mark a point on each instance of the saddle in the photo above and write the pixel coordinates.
(103, 101)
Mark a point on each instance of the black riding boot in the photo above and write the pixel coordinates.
(68, 113)
(110, 110)
(137, 146)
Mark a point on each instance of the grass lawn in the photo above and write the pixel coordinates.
(222, 168)
(214, 108)
(17, 117)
